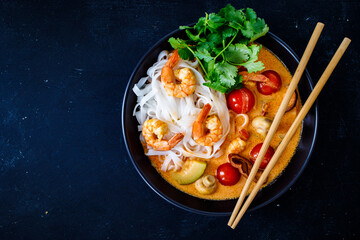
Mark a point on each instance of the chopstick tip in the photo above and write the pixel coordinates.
(346, 39)
(320, 24)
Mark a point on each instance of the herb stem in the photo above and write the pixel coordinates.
(227, 45)
(206, 19)
(198, 60)
(222, 54)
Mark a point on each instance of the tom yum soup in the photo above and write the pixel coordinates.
(205, 107)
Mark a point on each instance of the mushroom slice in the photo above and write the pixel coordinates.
(261, 124)
(292, 102)
(244, 165)
(206, 184)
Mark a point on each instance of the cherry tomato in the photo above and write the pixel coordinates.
(241, 68)
(241, 100)
(272, 86)
(268, 155)
(227, 174)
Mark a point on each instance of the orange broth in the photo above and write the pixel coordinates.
(271, 62)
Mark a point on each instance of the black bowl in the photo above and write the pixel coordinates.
(211, 207)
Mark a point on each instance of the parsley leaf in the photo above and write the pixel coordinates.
(216, 86)
(183, 49)
(214, 39)
(177, 43)
(194, 37)
(221, 42)
(227, 73)
(203, 55)
(237, 54)
(186, 54)
(250, 14)
(215, 21)
(250, 64)
(228, 32)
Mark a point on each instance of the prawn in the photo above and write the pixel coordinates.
(251, 78)
(207, 130)
(154, 130)
(170, 78)
(236, 145)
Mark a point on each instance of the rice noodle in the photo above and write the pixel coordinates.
(179, 113)
(246, 119)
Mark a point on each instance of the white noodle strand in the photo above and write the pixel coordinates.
(179, 113)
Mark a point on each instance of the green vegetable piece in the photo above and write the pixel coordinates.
(190, 172)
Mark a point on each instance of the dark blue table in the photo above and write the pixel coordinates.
(64, 170)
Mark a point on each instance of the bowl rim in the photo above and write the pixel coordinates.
(182, 206)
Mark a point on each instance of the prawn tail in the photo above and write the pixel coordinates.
(175, 139)
(203, 113)
(167, 75)
(168, 145)
(173, 60)
(199, 124)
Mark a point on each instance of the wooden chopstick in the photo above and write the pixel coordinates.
(293, 84)
(305, 109)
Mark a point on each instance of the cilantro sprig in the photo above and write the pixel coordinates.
(221, 42)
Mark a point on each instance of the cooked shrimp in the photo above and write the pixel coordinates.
(154, 130)
(207, 130)
(170, 78)
(253, 77)
(265, 108)
(236, 145)
(256, 77)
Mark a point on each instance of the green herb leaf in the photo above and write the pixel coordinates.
(250, 14)
(232, 15)
(251, 65)
(186, 54)
(214, 39)
(216, 86)
(260, 29)
(177, 43)
(227, 73)
(228, 32)
(215, 21)
(237, 54)
(203, 55)
(200, 25)
(194, 37)
(220, 43)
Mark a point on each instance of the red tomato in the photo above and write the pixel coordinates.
(227, 174)
(268, 155)
(241, 100)
(272, 86)
(241, 68)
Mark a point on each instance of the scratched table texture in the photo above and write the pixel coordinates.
(64, 169)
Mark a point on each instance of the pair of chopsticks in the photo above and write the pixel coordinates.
(305, 109)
